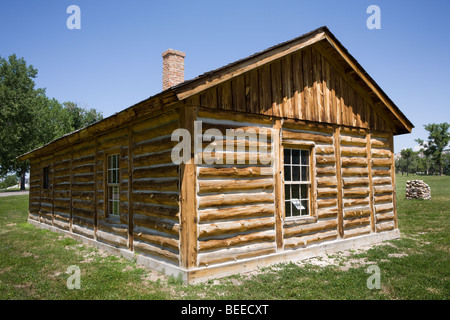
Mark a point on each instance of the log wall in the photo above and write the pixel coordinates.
(76, 197)
(236, 202)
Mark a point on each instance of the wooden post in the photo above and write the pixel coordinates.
(340, 205)
(394, 196)
(130, 188)
(53, 190)
(70, 188)
(95, 189)
(41, 182)
(188, 196)
(369, 165)
(278, 180)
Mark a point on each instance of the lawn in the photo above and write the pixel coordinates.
(34, 263)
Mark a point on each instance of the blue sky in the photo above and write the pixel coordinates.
(114, 60)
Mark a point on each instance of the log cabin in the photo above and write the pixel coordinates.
(313, 172)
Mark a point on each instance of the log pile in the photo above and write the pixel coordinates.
(417, 189)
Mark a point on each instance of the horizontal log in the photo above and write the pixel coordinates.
(113, 228)
(356, 222)
(236, 253)
(236, 131)
(156, 223)
(235, 199)
(324, 149)
(353, 151)
(380, 208)
(353, 141)
(381, 162)
(156, 210)
(156, 184)
(381, 153)
(153, 123)
(153, 159)
(209, 186)
(355, 192)
(322, 160)
(83, 204)
(349, 202)
(385, 226)
(219, 228)
(356, 172)
(383, 217)
(230, 172)
(112, 135)
(306, 240)
(154, 146)
(381, 172)
(379, 142)
(112, 239)
(383, 198)
(83, 160)
(296, 124)
(326, 192)
(153, 250)
(156, 172)
(310, 228)
(210, 115)
(85, 213)
(355, 182)
(170, 199)
(321, 203)
(383, 189)
(353, 162)
(328, 170)
(238, 240)
(146, 235)
(83, 186)
(327, 212)
(293, 135)
(236, 158)
(349, 233)
(86, 168)
(381, 180)
(326, 181)
(163, 130)
(245, 211)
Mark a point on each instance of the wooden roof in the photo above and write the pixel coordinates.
(162, 101)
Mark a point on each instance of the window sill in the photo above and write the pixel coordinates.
(299, 220)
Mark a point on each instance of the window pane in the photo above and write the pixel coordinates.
(305, 175)
(287, 191)
(295, 156)
(287, 173)
(295, 173)
(305, 207)
(295, 191)
(305, 157)
(287, 156)
(295, 211)
(304, 191)
(287, 208)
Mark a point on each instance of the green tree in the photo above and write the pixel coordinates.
(81, 117)
(408, 160)
(17, 117)
(9, 181)
(438, 139)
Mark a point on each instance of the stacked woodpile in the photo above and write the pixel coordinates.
(417, 189)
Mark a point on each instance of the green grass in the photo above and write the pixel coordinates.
(34, 262)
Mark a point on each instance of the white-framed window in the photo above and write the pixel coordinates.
(297, 182)
(113, 184)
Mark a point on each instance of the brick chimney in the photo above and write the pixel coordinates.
(173, 68)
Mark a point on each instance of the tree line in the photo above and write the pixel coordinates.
(432, 158)
(29, 118)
